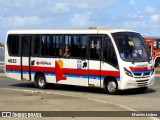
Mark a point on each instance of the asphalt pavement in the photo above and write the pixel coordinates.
(23, 96)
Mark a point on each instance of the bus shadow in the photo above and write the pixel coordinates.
(29, 85)
(24, 85)
(134, 92)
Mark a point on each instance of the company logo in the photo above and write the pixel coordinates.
(21, 114)
(37, 62)
(42, 62)
(32, 62)
(6, 114)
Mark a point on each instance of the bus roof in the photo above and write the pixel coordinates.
(90, 30)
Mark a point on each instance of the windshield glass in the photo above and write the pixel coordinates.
(131, 47)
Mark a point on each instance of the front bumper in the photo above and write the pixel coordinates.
(127, 82)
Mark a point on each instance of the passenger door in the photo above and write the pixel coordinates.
(25, 58)
(94, 61)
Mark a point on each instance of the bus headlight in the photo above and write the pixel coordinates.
(127, 72)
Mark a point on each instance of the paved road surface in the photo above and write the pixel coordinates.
(22, 96)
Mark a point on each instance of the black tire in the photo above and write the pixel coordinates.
(141, 90)
(41, 81)
(111, 87)
(157, 63)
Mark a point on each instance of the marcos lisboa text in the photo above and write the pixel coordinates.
(147, 114)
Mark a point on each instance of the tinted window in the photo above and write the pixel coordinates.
(83, 40)
(13, 45)
(95, 48)
(51, 45)
(60, 46)
(57, 46)
(75, 46)
(109, 54)
(37, 45)
(25, 46)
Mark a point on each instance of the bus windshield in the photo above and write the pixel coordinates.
(131, 47)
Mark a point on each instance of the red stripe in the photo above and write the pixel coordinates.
(66, 70)
(13, 67)
(139, 68)
(25, 67)
(45, 69)
(93, 72)
(75, 71)
(33, 68)
(110, 73)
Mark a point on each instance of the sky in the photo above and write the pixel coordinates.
(142, 16)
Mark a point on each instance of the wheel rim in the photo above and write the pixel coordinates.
(41, 81)
(112, 86)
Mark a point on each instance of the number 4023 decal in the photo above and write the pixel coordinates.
(12, 60)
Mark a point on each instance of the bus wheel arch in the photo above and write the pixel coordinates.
(110, 85)
(40, 80)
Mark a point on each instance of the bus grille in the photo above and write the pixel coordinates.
(147, 74)
(142, 83)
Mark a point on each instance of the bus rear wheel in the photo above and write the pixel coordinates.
(41, 81)
(111, 87)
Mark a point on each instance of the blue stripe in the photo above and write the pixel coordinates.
(143, 71)
(12, 71)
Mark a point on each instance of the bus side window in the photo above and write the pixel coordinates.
(83, 41)
(109, 54)
(42, 45)
(55, 45)
(75, 48)
(37, 46)
(95, 46)
(67, 48)
(13, 45)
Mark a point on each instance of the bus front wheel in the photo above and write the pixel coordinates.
(41, 81)
(111, 87)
